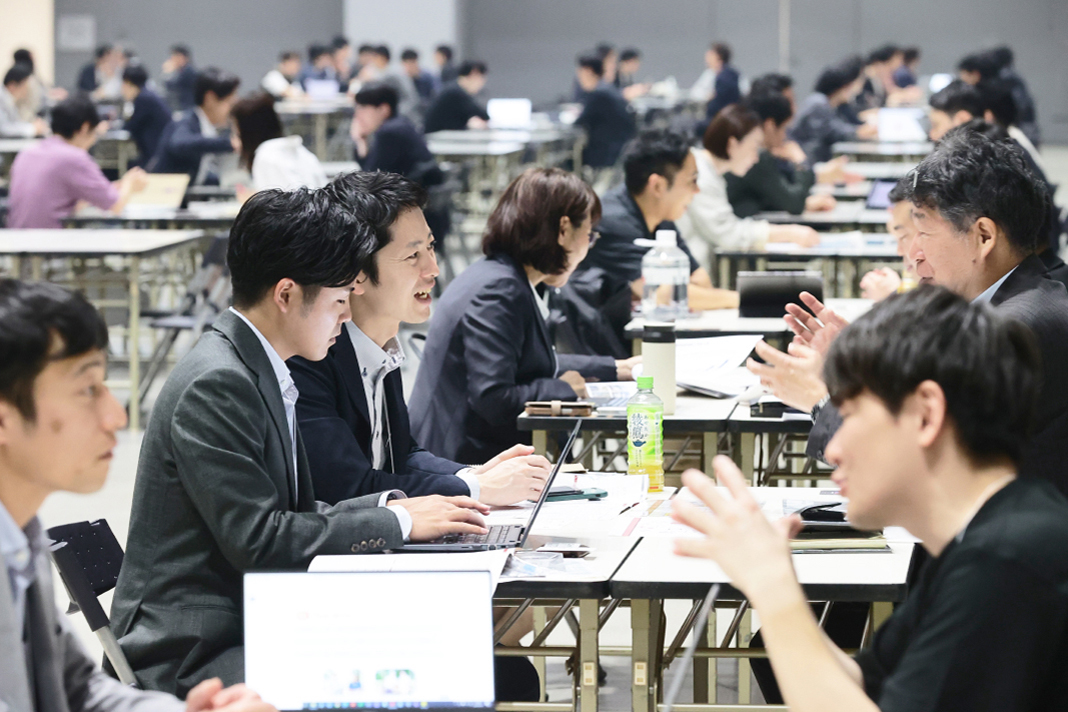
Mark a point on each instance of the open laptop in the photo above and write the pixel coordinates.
(162, 190)
(500, 536)
(879, 195)
(359, 640)
(509, 113)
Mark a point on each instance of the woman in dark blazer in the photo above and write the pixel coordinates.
(489, 351)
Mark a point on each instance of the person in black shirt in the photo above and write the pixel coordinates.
(938, 397)
(150, 115)
(727, 89)
(605, 116)
(180, 78)
(455, 109)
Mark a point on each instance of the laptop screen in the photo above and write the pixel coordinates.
(879, 195)
(509, 113)
(361, 640)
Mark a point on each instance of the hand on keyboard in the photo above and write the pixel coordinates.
(435, 516)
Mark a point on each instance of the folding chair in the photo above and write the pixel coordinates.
(89, 558)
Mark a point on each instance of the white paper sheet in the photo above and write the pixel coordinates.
(491, 561)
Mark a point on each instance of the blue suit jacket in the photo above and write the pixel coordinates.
(336, 428)
(727, 91)
(182, 146)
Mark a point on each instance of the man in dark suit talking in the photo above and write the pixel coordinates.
(223, 484)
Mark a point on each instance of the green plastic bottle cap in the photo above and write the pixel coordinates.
(645, 382)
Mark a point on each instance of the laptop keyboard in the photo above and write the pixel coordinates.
(498, 534)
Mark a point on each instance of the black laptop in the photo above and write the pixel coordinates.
(499, 536)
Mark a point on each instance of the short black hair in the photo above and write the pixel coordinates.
(365, 48)
(101, 51)
(339, 42)
(220, 83)
(17, 74)
(409, 55)
(1003, 57)
(981, 62)
(723, 50)
(899, 192)
(182, 49)
(653, 152)
(377, 94)
(839, 76)
(35, 317)
(910, 54)
(603, 49)
(969, 176)
(629, 53)
(445, 51)
(69, 115)
(23, 56)
(997, 98)
(375, 200)
(316, 51)
(288, 55)
(383, 52)
(771, 82)
(956, 96)
(136, 74)
(592, 62)
(987, 365)
(298, 234)
(770, 105)
(882, 54)
(472, 66)
(995, 132)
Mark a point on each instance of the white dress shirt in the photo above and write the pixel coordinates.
(375, 364)
(988, 294)
(209, 162)
(17, 548)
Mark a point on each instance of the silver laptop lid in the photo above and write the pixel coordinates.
(564, 452)
(361, 640)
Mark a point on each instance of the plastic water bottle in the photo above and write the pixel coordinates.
(645, 435)
(666, 271)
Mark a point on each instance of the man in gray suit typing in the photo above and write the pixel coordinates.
(57, 432)
(223, 485)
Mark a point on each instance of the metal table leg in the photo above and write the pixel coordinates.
(588, 643)
(645, 654)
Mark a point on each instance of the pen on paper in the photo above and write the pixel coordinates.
(629, 506)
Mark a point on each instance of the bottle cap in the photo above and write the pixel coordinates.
(658, 333)
(667, 237)
(645, 382)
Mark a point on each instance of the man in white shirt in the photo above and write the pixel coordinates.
(223, 484)
(58, 422)
(16, 87)
(352, 412)
(281, 82)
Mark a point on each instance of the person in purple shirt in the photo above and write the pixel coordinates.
(50, 178)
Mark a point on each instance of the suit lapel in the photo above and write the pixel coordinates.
(396, 411)
(1021, 279)
(352, 376)
(250, 350)
(539, 323)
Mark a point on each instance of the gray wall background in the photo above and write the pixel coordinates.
(242, 36)
(530, 45)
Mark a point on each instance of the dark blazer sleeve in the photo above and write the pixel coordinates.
(826, 424)
(188, 144)
(340, 467)
(218, 429)
(492, 330)
(390, 152)
(87, 78)
(601, 368)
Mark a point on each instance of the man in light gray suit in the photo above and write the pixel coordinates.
(57, 433)
(223, 485)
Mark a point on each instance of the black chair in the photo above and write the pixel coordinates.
(89, 558)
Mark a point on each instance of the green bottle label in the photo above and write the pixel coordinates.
(645, 438)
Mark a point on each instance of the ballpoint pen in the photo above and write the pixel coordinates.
(629, 506)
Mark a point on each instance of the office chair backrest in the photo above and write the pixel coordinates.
(88, 557)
